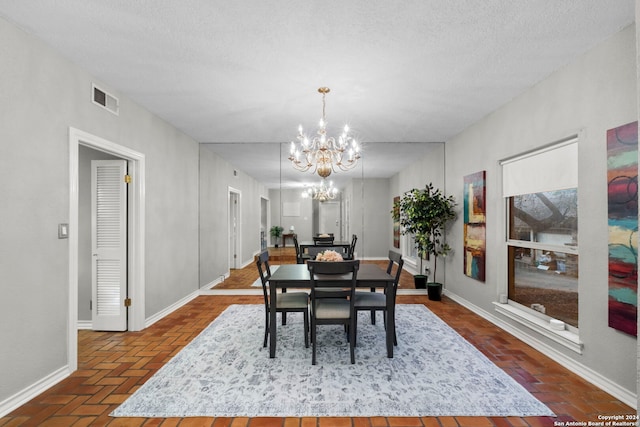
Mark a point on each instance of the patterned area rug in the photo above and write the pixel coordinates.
(225, 371)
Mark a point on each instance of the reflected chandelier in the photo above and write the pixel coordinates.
(324, 154)
(321, 192)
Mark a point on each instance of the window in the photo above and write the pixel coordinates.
(409, 251)
(542, 253)
(541, 194)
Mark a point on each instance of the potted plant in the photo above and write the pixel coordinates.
(425, 214)
(276, 233)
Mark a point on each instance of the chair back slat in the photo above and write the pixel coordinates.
(323, 240)
(395, 258)
(265, 274)
(323, 274)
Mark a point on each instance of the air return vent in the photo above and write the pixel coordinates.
(105, 100)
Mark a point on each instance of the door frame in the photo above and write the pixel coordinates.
(135, 239)
(322, 217)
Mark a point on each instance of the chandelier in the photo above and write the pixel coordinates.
(321, 192)
(324, 154)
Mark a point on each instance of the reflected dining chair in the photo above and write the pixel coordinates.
(285, 302)
(376, 301)
(323, 240)
(301, 257)
(331, 304)
(352, 248)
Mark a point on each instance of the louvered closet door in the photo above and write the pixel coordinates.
(109, 243)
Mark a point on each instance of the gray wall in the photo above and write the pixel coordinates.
(429, 169)
(595, 92)
(43, 94)
(371, 220)
(303, 224)
(216, 178)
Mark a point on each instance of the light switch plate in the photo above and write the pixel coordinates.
(63, 231)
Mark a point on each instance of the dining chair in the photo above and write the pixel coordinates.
(323, 240)
(285, 302)
(301, 257)
(376, 301)
(331, 304)
(352, 248)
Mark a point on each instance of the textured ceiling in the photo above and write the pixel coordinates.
(247, 71)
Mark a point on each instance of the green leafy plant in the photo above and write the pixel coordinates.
(276, 231)
(425, 214)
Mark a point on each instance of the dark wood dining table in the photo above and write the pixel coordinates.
(297, 276)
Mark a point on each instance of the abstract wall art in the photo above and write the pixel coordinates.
(622, 184)
(475, 225)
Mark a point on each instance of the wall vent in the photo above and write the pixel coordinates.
(104, 99)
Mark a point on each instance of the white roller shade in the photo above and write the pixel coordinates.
(554, 167)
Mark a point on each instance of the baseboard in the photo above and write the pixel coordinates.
(215, 282)
(173, 307)
(626, 396)
(85, 324)
(40, 386)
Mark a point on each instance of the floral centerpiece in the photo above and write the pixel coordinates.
(329, 255)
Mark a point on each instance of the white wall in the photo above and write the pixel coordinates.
(43, 94)
(595, 92)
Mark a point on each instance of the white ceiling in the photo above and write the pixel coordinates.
(247, 71)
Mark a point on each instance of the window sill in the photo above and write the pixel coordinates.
(569, 339)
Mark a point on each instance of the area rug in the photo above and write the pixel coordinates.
(225, 371)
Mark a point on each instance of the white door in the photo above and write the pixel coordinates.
(109, 244)
(329, 221)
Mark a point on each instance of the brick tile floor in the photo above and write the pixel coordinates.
(113, 365)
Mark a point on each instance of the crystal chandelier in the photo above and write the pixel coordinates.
(324, 154)
(321, 192)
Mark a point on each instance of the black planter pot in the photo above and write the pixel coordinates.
(420, 281)
(434, 290)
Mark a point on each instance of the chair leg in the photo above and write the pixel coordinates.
(306, 328)
(352, 340)
(313, 341)
(355, 328)
(373, 312)
(284, 317)
(395, 338)
(266, 328)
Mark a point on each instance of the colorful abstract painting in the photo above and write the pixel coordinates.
(622, 179)
(474, 225)
(396, 225)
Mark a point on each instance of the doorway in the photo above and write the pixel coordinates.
(135, 238)
(234, 228)
(329, 219)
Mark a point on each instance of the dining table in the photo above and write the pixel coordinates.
(297, 276)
